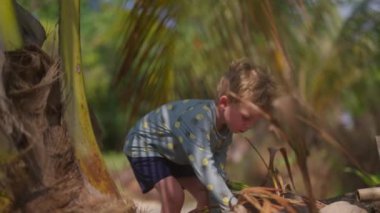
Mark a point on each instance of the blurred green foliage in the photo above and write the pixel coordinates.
(115, 161)
(201, 34)
(100, 34)
(368, 179)
(324, 52)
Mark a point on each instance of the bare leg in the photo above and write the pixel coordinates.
(171, 195)
(196, 189)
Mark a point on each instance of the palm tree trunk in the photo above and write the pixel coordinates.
(9, 31)
(51, 161)
(76, 110)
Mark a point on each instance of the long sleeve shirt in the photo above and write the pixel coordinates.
(185, 132)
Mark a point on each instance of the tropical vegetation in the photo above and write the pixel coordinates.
(109, 62)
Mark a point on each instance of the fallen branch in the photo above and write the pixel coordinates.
(368, 194)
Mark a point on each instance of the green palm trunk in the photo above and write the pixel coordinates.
(9, 31)
(76, 113)
(49, 156)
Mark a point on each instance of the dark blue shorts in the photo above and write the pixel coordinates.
(150, 170)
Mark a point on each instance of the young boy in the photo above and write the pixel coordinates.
(182, 145)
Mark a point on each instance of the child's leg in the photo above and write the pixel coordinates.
(171, 195)
(196, 189)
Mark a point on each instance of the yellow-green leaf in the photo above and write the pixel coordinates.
(9, 31)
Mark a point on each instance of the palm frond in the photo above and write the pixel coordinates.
(9, 30)
(264, 199)
(145, 77)
(76, 113)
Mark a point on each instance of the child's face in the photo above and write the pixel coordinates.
(239, 117)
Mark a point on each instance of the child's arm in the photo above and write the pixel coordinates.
(194, 130)
(220, 161)
(204, 165)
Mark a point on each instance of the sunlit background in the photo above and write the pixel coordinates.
(324, 55)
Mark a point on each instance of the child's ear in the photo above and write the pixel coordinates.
(223, 101)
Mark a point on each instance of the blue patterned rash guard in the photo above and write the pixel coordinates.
(185, 132)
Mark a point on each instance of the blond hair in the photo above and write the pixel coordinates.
(248, 82)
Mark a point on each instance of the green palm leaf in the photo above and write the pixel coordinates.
(77, 113)
(145, 77)
(9, 31)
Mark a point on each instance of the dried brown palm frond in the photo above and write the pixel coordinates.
(293, 137)
(273, 173)
(263, 198)
(267, 199)
(328, 138)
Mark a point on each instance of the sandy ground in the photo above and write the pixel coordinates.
(151, 206)
(146, 203)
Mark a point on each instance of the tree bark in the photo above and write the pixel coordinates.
(43, 173)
